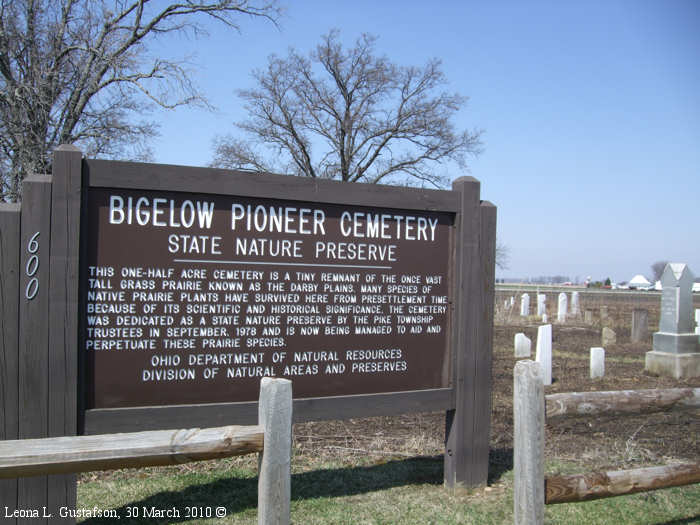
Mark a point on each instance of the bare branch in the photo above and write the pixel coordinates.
(352, 115)
(76, 71)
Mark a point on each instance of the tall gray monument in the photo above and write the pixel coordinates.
(676, 348)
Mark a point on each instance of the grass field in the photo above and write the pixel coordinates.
(397, 491)
(389, 470)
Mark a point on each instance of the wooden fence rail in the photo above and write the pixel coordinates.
(531, 408)
(597, 485)
(66, 455)
(272, 437)
(569, 404)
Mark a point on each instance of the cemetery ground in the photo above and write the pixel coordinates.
(389, 469)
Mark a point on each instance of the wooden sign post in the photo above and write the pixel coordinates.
(155, 297)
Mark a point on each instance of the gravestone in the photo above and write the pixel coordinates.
(575, 308)
(640, 325)
(525, 305)
(597, 362)
(543, 352)
(697, 320)
(588, 317)
(604, 316)
(523, 345)
(541, 304)
(563, 305)
(608, 337)
(676, 350)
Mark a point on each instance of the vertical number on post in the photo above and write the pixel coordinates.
(32, 267)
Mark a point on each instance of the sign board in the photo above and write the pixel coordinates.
(144, 296)
(192, 298)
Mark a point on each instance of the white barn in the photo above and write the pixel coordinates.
(639, 282)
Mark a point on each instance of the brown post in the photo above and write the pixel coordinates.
(482, 373)
(466, 435)
(9, 335)
(34, 333)
(63, 302)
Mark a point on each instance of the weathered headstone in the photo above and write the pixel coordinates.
(541, 304)
(512, 300)
(597, 362)
(525, 305)
(523, 345)
(676, 349)
(608, 337)
(588, 317)
(563, 305)
(575, 308)
(604, 316)
(543, 352)
(640, 325)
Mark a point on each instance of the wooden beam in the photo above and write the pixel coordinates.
(275, 463)
(466, 317)
(572, 404)
(528, 443)
(597, 485)
(64, 321)
(9, 336)
(70, 454)
(34, 313)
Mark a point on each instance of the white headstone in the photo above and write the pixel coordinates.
(597, 362)
(512, 300)
(543, 352)
(563, 307)
(523, 345)
(525, 305)
(676, 346)
(575, 308)
(697, 320)
(541, 304)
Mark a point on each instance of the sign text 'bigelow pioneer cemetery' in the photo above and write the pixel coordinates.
(192, 298)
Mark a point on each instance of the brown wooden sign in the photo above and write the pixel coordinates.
(192, 298)
(144, 297)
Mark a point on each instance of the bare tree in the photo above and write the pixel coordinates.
(502, 256)
(351, 115)
(657, 270)
(79, 71)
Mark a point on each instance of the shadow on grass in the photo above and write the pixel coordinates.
(240, 494)
(694, 519)
(500, 462)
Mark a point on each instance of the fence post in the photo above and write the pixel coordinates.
(9, 337)
(274, 463)
(528, 446)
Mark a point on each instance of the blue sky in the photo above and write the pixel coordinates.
(590, 112)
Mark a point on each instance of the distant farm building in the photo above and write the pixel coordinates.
(639, 282)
